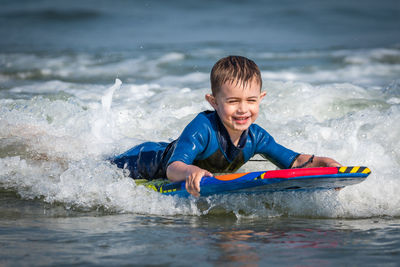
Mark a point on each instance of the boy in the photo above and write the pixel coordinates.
(221, 140)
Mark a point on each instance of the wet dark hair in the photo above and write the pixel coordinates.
(234, 69)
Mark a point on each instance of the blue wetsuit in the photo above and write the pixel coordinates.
(204, 142)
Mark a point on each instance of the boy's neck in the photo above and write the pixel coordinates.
(235, 137)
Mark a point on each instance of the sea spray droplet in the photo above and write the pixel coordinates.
(103, 125)
(106, 99)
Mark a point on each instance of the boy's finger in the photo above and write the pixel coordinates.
(187, 185)
(193, 192)
(190, 187)
(197, 184)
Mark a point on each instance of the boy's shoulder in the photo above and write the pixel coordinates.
(256, 127)
(258, 131)
(207, 113)
(206, 116)
(203, 121)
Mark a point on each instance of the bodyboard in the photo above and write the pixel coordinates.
(267, 181)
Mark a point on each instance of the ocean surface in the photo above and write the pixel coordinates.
(81, 81)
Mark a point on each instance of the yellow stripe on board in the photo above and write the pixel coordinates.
(167, 191)
(152, 187)
(355, 169)
(366, 170)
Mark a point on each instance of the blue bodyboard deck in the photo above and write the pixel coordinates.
(268, 181)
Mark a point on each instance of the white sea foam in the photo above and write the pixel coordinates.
(83, 66)
(360, 74)
(365, 67)
(361, 67)
(171, 57)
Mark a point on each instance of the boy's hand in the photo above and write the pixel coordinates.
(193, 180)
(308, 161)
(333, 163)
(179, 171)
(327, 162)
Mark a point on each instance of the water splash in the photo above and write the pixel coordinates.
(106, 99)
(103, 125)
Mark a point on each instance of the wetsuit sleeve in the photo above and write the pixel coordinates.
(193, 142)
(274, 152)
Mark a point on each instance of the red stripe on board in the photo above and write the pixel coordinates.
(289, 173)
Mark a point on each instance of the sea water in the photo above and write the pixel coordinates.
(81, 82)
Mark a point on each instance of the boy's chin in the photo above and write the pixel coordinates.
(241, 127)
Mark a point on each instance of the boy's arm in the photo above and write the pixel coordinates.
(308, 161)
(178, 171)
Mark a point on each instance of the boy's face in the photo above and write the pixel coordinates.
(237, 106)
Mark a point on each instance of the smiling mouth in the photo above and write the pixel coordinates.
(241, 120)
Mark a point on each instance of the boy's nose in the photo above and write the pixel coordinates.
(242, 107)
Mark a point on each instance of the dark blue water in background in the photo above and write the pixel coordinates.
(326, 65)
(238, 26)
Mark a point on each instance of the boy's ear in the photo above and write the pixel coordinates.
(262, 95)
(211, 99)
